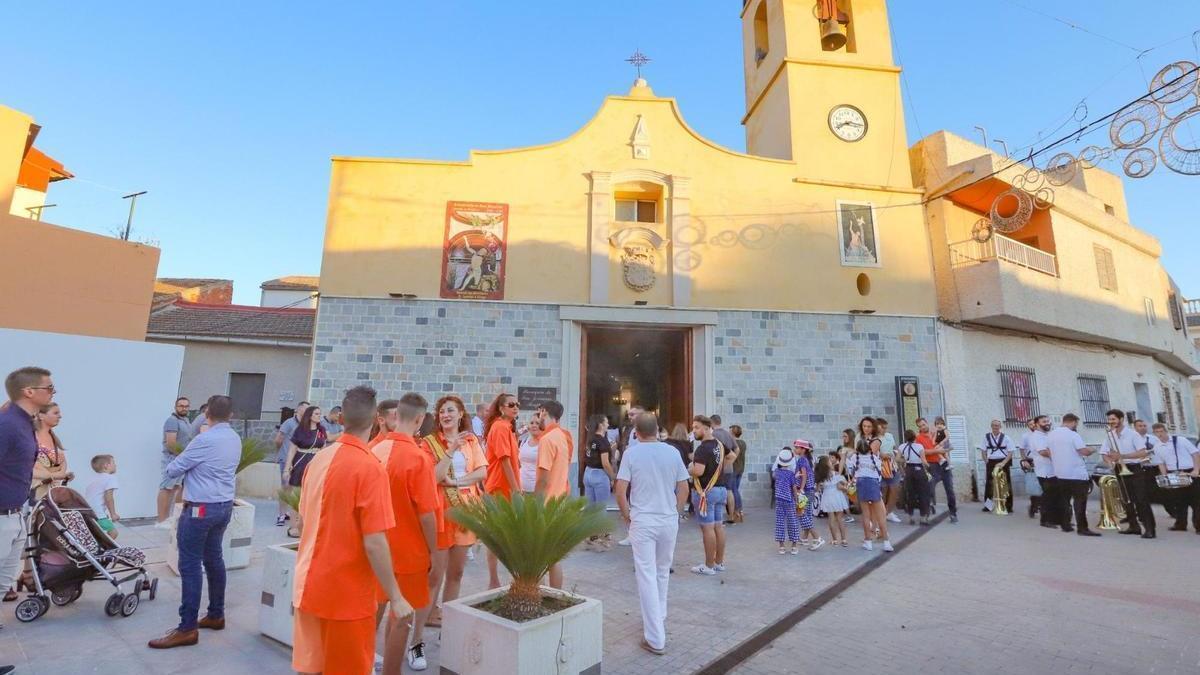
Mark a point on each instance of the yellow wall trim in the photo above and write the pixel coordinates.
(862, 186)
(399, 160)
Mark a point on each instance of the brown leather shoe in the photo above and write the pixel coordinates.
(211, 624)
(176, 638)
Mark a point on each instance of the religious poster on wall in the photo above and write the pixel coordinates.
(857, 238)
(474, 251)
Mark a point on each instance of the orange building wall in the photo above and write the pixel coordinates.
(67, 281)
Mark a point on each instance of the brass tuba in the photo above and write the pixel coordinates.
(1001, 489)
(1112, 509)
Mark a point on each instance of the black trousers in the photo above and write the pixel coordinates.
(1073, 491)
(1049, 501)
(916, 489)
(988, 485)
(1137, 509)
(1180, 500)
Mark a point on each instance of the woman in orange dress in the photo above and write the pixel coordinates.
(460, 470)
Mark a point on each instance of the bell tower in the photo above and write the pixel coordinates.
(822, 90)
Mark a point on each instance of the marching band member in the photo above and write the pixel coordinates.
(997, 452)
(1043, 469)
(1176, 454)
(1025, 447)
(1124, 445)
(1066, 450)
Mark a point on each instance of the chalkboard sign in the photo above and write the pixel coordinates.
(531, 397)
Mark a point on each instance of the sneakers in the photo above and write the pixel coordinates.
(416, 657)
(848, 519)
(163, 524)
(624, 542)
(704, 569)
(954, 517)
(893, 518)
(719, 567)
(887, 546)
(867, 546)
(795, 550)
(783, 551)
(817, 544)
(280, 520)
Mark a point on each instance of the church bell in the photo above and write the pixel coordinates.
(833, 35)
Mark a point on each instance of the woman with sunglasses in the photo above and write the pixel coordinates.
(503, 460)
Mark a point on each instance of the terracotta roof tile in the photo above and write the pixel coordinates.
(185, 319)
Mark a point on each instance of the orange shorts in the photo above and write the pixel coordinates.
(454, 535)
(414, 587)
(332, 647)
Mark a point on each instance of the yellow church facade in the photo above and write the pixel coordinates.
(793, 288)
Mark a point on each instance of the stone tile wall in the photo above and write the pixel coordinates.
(784, 375)
(779, 375)
(471, 349)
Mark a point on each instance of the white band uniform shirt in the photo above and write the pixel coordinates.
(997, 446)
(1178, 453)
(1128, 442)
(1043, 467)
(1064, 445)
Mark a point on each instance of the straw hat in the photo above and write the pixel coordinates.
(801, 443)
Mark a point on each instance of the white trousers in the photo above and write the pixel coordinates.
(653, 544)
(12, 544)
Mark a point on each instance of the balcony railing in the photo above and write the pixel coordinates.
(999, 247)
(1191, 307)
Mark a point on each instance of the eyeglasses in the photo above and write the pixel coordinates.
(49, 388)
(512, 404)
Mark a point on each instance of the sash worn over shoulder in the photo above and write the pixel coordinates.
(441, 453)
(703, 490)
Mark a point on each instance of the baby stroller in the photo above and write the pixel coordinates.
(67, 548)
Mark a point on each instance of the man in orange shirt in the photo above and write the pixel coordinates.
(343, 555)
(555, 450)
(503, 461)
(414, 504)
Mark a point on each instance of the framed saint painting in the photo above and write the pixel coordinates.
(474, 251)
(858, 240)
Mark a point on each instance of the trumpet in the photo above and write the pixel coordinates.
(1000, 490)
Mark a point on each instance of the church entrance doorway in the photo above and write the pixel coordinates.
(627, 366)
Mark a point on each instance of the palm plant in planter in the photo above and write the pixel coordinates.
(529, 535)
(526, 628)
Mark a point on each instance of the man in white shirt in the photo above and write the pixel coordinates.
(477, 421)
(1176, 454)
(1124, 445)
(1043, 469)
(1066, 450)
(657, 484)
(997, 452)
(1026, 462)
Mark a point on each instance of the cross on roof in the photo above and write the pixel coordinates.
(638, 60)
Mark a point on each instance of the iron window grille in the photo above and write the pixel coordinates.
(1018, 393)
(1093, 399)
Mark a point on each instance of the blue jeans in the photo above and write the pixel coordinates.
(596, 486)
(942, 474)
(199, 540)
(715, 502)
(737, 491)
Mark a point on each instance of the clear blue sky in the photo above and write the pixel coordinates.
(228, 113)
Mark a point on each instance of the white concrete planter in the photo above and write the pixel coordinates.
(275, 607)
(477, 642)
(235, 545)
(259, 481)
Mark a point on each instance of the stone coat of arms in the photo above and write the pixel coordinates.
(639, 248)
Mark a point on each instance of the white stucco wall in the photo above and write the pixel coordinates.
(114, 396)
(207, 365)
(299, 299)
(970, 358)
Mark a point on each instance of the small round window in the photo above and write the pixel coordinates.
(864, 284)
